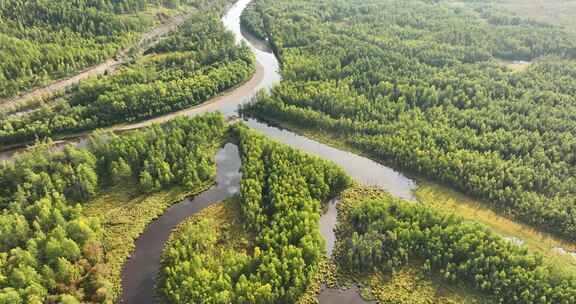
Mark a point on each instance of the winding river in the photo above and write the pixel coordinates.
(141, 269)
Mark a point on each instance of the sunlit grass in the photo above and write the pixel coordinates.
(225, 221)
(444, 198)
(558, 12)
(410, 285)
(516, 66)
(124, 213)
(407, 285)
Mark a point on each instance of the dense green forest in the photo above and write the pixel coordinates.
(281, 197)
(379, 233)
(196, 63)
(45, 40)
(49, 251)
(424, 85)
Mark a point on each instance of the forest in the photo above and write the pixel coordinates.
(429, 87)
(379, 233)
(281, 197)
(45, 40)
(50, 252)
(425, 86)
(190, 66)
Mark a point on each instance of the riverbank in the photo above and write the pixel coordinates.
(222, 229)
(557, 252)
(141, 269)
(229, 96)
(124, 213)
(407, 285)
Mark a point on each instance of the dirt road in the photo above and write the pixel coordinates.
(147, 40)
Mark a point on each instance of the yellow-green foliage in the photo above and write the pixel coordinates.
(326, 275)
(410, 285)
(443, 198)
(386, 235)
(209, 250)
(124, 212)
(224, 222)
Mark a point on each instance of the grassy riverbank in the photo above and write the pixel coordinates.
(449, 200)
(124, 212)
(219, 239)
(408, 284)
(224, 220)
(445, 198)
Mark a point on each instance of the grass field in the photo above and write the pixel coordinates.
(407, 285)
(516, 66)
(558, 12)
(124, 213)
(410, 285)
(444, 198)
(225, 220)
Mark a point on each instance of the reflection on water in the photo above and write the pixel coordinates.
(327, 225)
(140, 270)
(360, 168)
(142, 267)
(263, 56)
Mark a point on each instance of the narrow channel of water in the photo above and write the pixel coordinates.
(349, 295)
(363, 170)
(328, 223)
(141, 269)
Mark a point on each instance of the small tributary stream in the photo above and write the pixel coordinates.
(142, 268)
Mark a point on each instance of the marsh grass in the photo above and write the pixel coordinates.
(445, 198)
(449, 200)
(124, 212)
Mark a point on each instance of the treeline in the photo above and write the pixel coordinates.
(45, 40)
(383, 234)
(280, 201)
(49, 251)
(421, 85)
(251, 20)
(198, 62)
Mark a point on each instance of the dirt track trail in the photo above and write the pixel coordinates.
(147, 40)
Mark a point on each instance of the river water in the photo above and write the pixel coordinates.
(142, 267)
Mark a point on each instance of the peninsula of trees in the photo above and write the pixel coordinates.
(281, 196)
(190, 66)
(50, 252)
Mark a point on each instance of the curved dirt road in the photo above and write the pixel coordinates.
(110, 65)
